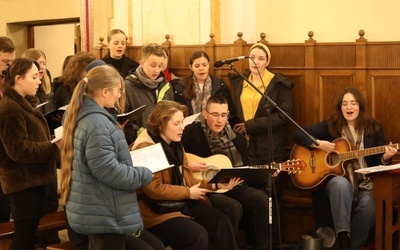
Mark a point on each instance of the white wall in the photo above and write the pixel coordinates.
(288, 21)
(57, 42)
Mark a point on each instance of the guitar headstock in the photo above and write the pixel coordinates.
(292, 166)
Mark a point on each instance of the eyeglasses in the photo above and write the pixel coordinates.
(351, 103)
(217, 115)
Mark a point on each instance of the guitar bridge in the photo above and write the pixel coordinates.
(312, 162)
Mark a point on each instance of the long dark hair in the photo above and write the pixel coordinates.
(364, 121)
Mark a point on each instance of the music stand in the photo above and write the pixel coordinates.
(269, 177)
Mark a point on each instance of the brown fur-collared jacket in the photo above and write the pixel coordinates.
(26, 154)
(161, 189)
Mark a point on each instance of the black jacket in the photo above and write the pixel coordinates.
(128, 65)
(279, 90)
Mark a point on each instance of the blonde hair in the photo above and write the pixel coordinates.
(152, 49)
(35, 54)
(96, 80)
(114, 32)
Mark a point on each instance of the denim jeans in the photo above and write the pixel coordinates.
(359, 221)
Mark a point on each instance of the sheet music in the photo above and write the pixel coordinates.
(189, 119)
(152, 157)
(58, 133)
(41, 104)
(381, 168)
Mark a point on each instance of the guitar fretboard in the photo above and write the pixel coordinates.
(364, 152)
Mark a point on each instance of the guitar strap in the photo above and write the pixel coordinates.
(354, 177)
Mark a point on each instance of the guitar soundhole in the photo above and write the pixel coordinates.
(332, 159)
(210, 172)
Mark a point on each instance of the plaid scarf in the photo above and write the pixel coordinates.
(202, 95)
(223, 144)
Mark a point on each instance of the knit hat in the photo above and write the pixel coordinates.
(94, 63)
(265, 47)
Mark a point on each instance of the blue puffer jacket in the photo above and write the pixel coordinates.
(104, 181)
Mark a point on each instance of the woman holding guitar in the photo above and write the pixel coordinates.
(351, 199)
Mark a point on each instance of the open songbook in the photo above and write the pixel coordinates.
(152, 157)
(58, 133)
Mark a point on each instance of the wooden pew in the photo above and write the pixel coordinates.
(61, 246)
(49, 222)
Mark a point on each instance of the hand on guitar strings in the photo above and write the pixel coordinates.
(196, 166)
(389, 152)
(232, 183)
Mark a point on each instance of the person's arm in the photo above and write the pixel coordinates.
(16, 140)
(319, 131)
(104, 164)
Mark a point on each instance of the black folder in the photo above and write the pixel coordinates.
(131, 115)
(250, 175)
(52, 114)
(234, 120)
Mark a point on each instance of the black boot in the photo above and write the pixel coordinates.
(344, 241)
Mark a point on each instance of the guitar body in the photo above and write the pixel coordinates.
(320, 164)
(213, 162)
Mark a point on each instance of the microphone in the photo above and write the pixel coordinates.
(6, 73)
(218, 64)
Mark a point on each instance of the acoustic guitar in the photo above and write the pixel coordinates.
(321, 165)
(219, 161)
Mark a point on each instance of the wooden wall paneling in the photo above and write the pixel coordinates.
(331, 82)
(385, 91)
(298, 96)
(337, 55)
(383, 55)
(361, 67)
(287, 56)
(134, 53)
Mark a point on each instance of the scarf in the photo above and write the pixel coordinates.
(358, 181)
(150, 83)
(202, 95)
(224, 144)
(174, 154)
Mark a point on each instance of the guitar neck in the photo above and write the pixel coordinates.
(364, 152)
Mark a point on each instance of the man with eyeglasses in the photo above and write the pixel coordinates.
(7, 56)
(213, 135)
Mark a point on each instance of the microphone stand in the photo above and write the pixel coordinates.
(269, 180)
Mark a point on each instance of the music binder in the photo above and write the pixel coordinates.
(250, 175)
(53, 115)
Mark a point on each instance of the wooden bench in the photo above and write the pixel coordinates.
(49, 222)
(296, 213)
(61, 246)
